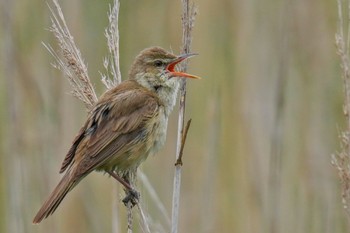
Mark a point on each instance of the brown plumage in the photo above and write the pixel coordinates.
(125, 126)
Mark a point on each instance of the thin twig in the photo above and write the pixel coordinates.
(188, 17)
(183, 141)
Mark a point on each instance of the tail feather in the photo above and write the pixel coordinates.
(66, 184)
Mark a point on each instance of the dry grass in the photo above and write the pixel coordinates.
(111, 63)
(71, 63)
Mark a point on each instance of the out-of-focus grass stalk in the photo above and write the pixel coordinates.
(274, 201)
(210, 169)
(154, 196)
(13, 167)
(341, 160)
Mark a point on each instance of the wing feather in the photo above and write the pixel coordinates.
(113, 126)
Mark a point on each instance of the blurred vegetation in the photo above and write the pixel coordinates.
(266, 116)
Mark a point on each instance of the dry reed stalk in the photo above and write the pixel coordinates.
(188, 17)
(72, 63)
(341, 160)
(111, 63)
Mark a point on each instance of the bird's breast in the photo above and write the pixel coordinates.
(159, 132)
(149, 142)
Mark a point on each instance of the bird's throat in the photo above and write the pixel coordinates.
(165, 90)
(168, 95)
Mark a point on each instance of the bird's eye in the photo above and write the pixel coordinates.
(158, 63)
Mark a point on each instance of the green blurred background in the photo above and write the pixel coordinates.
(266, 116)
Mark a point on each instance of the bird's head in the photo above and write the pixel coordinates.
(154, 68)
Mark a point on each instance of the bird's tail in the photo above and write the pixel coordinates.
(67, 182)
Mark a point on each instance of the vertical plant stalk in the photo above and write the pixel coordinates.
(188, 17)
(111, 63)
(276, 163)
(12, 165)
(129, 217)
(341, 160)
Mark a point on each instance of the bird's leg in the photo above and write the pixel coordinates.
(121, 180)
(131, 194)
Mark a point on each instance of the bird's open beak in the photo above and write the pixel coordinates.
(171, 67)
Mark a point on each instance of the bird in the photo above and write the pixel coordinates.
(126, 125)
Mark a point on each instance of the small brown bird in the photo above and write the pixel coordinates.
(125, 126)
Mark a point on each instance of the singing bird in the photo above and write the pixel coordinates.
(126, 125)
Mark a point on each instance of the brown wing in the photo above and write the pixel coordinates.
(70, 155)
(116, 122)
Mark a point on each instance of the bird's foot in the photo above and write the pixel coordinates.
(132, 196)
